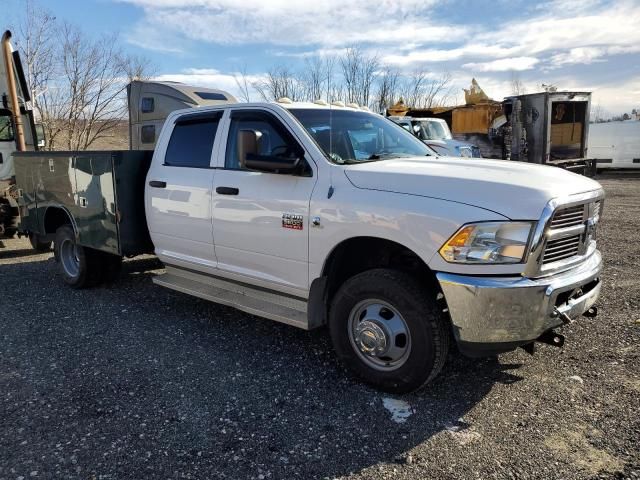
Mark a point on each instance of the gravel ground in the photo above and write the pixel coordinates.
(136, 381)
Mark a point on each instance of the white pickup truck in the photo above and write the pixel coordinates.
(312, 215)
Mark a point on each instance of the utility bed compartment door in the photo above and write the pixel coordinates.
(94, 202)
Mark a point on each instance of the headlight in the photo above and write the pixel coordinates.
(491, 242)
(464, 151)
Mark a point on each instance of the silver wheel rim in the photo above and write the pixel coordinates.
(69, 257)
(379, 335)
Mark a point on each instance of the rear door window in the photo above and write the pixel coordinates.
(191, 142)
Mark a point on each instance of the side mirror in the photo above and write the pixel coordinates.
(271, 163)
(40, 136)
(281, 159)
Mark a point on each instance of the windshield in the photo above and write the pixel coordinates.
(431, 130)
(6, 129)
(354, 137)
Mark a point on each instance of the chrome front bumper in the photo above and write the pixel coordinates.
(496, 314)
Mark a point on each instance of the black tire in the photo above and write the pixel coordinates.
(111, 267)
(37, 244)
(82, 269)
(428, 329)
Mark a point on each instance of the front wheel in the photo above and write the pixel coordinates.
(388, 331)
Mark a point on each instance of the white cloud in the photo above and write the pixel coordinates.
(587, 55)
(553, 36)
(565, 32)
(613, 24)
(212, 78)
(327, 23)
(517, 64)
(584, 55)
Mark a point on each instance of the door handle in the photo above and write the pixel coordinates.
(227, 190)
(157, 184)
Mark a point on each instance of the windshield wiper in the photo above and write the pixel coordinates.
(378, 156)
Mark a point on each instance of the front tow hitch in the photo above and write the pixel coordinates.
(566, 319)
(553, 338)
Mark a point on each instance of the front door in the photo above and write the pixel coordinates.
(178, 203)
(261, 220)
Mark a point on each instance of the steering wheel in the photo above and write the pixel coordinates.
(283, 151)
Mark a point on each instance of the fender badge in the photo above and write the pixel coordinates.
(290, 220)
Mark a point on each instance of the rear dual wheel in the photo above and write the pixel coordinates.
(83, 267)
(388, 331)
(37, 244)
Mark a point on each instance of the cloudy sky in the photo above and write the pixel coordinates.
(574, 44)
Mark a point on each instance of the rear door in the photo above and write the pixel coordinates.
(178, 203)
(261, 220)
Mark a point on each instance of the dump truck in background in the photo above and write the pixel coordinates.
(17, 131)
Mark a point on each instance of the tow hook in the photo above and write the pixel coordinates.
(566, 319)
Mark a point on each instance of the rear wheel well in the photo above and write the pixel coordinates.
(54, 218)
(359, 254)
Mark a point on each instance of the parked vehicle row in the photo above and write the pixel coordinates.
(436, 134)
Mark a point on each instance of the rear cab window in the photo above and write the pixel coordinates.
(191, 141)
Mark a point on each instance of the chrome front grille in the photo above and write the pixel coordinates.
(565, 234)
(570, 231)
(561, 248)
(568, 217)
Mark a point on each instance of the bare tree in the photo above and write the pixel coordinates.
(242, 81)
(350, 66)
(91, 84)
(315, 78)
(78, 84)
(358, 73)
(36, 40)
(413, 87)
(280, 82)
(437, 91)
(421, 90)
(596, 114)
(387, 89)
(517, 87)
(137, 67)
(368, 69)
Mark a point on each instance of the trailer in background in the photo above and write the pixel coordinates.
(548, 127)
(615, 144)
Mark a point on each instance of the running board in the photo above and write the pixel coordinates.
(249, 299)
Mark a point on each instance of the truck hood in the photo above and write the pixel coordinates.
(514, 189)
